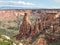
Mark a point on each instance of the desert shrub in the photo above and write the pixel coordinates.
(0, 22)
(2, 31)
(55, 43)
(5, 32)
(13, 28)
(5, 43)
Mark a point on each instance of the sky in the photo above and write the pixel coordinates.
(29, 4)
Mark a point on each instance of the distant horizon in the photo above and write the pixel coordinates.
(29, 4)
(29, 8)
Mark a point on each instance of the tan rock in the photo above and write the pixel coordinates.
(1, 39)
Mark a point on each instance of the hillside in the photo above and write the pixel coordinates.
(10, 21)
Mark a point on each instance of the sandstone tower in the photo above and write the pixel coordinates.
(25, 28)
(37, 28)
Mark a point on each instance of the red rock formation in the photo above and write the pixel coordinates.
(41, 41)
(37, 28)
(25, 28)
(26, 25)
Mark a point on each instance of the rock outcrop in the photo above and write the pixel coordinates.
(37, 27)
(25, 28)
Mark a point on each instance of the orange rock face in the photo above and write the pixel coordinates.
(41, 41)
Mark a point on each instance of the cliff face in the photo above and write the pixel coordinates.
(5, 14)
(8, 14)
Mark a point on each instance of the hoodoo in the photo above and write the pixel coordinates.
(37, 27)
(25, 28)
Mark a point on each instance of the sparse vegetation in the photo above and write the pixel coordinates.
(11, 28)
